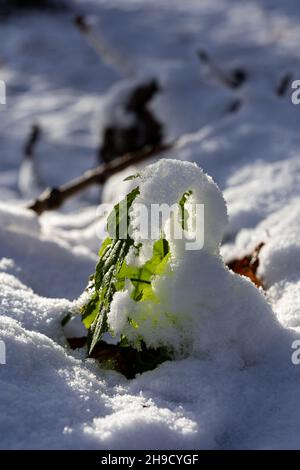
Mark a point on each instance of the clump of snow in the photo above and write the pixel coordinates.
(165, 183)
(202, 307)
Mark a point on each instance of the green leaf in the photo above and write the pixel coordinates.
(119, 217)
(105, 245)
(132, 177)
(112, 256)
(90, 310)
(141, 277)
(112, 271)
(183, 212)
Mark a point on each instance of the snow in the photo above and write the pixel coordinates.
(165, 183)
(189, 317)
(236, 387)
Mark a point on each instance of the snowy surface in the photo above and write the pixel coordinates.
(218, 397)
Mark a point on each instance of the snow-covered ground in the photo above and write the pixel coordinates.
(51, 397)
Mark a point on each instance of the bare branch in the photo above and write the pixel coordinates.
(102, 47)
(53, 198)
(234, 106)
(284, 84)
(32, 140)
(232, 79)
(30, 182)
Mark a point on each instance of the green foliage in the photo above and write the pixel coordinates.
(141, 276)
(103, 284)
(132, 177)
(112, 271)
(112, 274)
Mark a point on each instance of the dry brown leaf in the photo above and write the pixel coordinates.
(247, 266)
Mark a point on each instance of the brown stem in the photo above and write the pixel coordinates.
(104, 49)
(284, 84)
(32, 140)
(53, 198)
(233, 79)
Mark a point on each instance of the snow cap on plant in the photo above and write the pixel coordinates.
(158, 294)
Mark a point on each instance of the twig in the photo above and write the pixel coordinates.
(233, 79)
(105, 50)
(53, 198)
(284, 84)
(30, 182)
(234, 106)
(32, 140)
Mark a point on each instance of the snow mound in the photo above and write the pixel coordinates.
(166, 181)
(39, 259)
(203, 308)
(16, 219)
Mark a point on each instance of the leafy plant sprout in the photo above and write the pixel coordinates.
(136, 299)
(113, 271)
